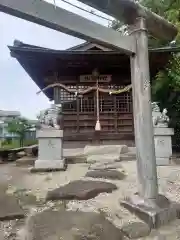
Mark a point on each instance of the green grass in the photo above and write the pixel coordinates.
(16, 144)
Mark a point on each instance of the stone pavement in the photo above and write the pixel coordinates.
(80, 190)
(70, 225)
(31, 191)
(89, 154)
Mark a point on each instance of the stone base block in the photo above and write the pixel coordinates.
(162, 161)
(105, 149)
(50, 165)
(163, 145)
(155, 213)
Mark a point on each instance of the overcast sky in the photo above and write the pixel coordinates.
(17, 90)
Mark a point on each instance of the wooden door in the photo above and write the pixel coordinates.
(115, 111)
(124, 113)
(107, 110)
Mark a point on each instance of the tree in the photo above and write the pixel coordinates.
(166, 85)
(168, 9)
(166, 91)
(19, 127)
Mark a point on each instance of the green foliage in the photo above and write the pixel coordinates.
(19, 127)
(16, 143)
(168, 9)
(166, 86)
(166, 91)
(167, 82)
(7, 141)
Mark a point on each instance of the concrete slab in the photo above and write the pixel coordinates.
(136, 230)
(106, 165)
(105, 149)
(69, 152)
(9, 207)
(155, 213)
(128, 157)
(103, 158)
(106, 174)
(132, 149)
(26, 161)
(75, 159)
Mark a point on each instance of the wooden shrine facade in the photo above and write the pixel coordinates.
(73, 68)
(80, 113)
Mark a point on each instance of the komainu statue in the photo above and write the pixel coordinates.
(50, 118)
(162, 120)
(155, 107)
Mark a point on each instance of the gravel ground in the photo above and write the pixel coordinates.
(107, 204)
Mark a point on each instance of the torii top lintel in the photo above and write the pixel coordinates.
(45, 14)
(128, 10)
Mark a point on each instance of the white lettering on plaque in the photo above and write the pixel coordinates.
(90, 78)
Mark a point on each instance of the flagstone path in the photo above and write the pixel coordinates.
(31, 190)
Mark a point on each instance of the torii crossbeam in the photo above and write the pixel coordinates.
(45, 14)
(148, 204)
(128, 11)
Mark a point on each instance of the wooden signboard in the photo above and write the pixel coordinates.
(101, 78)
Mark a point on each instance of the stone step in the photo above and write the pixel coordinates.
(130, 154)
(128, 157)
(132, 149)
(74, 156)
(105, 149)
(106, 166)
(76, 159)
(26, 161)
(92, 154)
(103, 158)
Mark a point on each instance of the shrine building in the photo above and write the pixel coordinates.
(79, 68)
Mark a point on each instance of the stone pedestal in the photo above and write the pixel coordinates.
(163, 145)
(50, 154)
(155, 212)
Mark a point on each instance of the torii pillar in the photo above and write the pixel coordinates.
(144, 136)
(153, 208)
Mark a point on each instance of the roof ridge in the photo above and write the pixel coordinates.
(20, 44)
(77, 46)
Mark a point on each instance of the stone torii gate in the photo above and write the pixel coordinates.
(147, 203)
